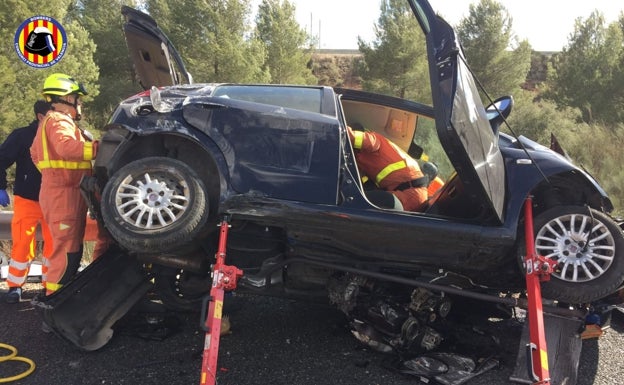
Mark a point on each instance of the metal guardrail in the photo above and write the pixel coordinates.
(35, 267)
(5, 228)
(5, 225)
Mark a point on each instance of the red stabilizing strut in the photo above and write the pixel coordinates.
(537, 269)
(224, 278)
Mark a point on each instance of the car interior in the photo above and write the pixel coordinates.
(416, 134)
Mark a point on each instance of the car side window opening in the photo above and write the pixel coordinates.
(409, 131)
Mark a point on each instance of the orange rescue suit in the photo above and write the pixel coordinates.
(26, 216)
(389, 167)
(63, 156)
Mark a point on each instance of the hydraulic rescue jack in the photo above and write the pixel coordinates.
(224, 278)
(538, 269)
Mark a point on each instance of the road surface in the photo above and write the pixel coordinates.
(272, 341)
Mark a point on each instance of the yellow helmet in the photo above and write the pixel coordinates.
(60, 85)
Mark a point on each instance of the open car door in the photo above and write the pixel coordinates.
(461, 121)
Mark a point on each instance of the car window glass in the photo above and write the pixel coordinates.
(425, 136)
(300, 98)
(473, 129)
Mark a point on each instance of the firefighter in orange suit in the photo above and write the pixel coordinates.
(63, 154)
(401, 184)
(26, 211)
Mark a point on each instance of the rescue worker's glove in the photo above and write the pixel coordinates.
(4, 198)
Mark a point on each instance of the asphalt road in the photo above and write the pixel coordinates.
(272, 341)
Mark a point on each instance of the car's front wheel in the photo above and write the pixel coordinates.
(154, 204)
(588, 247)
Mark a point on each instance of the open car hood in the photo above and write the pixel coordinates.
(461, 121)
(156, 61)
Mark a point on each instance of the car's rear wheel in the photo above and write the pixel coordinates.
(588, 247)
(154, 204)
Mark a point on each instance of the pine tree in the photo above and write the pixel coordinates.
(498, 60)
(588, 72)
(288, 47)
(212, 36)
(104, 22)
(396, 61)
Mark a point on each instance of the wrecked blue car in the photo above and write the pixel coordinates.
(277, 160)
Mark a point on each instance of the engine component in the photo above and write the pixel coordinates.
(388, 317)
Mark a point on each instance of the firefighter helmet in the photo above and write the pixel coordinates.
(60, 85)
(40, 42)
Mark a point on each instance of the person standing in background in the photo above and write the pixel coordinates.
(27, 213)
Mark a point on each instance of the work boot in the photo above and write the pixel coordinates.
(14, 295)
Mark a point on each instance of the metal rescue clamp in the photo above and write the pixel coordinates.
(560, 332)
(224, 278)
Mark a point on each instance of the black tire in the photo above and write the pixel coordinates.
(154, 204)
(589, 249)
(180, 290)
